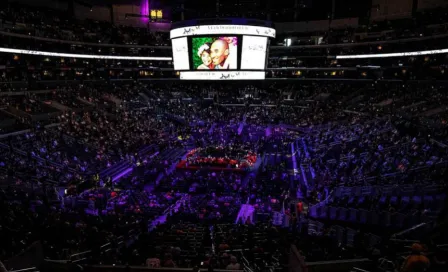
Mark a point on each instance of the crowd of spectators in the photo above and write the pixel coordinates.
(39, 22)
(344, 135)
(422, 32)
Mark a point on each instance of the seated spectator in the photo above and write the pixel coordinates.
(416, 262)
(153, 262)
(169, 261)
(234, 265)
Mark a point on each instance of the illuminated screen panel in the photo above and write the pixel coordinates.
(222, 75)
(253, 55)
(215, 53)
(80, 56)
(180, 54)
(222, 29)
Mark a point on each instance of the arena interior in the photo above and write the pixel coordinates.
(223, 135)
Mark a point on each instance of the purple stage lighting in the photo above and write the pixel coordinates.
(144, 9)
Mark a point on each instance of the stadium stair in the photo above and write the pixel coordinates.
(124, 167)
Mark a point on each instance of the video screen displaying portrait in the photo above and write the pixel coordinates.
(215, 53)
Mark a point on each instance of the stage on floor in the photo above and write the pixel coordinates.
(218, 158)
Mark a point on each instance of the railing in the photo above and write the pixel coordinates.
(83, 43)
(30, 269)
(246, 265)
(297, 263)
(273, 47)
(387, 190)
(79, 257)
(411, 229)
(119, 268)
(323, 202)
(336, 45)
(357, 269)
(175, 205)
(338, 265)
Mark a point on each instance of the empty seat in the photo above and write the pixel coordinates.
(363, 216)
(353, 215)
(342, 216)
(333, 213)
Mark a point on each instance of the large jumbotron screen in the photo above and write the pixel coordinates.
(221, 52)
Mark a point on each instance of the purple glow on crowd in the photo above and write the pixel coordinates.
(144, 9)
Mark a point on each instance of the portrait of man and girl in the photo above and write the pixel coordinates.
(218, 53)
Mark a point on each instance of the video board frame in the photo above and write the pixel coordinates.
(240, 32)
